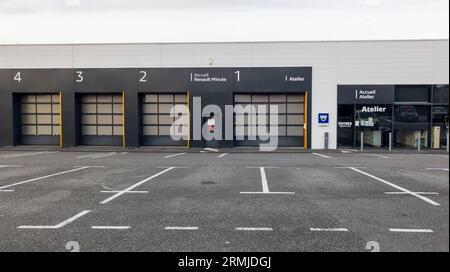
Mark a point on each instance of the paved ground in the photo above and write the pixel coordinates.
(223, 202)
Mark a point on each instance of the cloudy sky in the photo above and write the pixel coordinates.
(122, 21)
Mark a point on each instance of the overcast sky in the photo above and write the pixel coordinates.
(126, 21)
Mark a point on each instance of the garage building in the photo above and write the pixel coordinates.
(327, 93)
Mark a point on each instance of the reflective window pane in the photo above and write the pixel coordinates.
(412, 94)
(104, 98)
(44, 130)
(29, 130)
(256, 98)
(150, 119)
(277, 98)
(153, 98)
(239, 98)
(412, 114)
(105, 131)
(117, 130)
(165, 98)
(294, 131)
(150, 130)
(440, 94)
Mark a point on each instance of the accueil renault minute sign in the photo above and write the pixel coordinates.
(366, 94)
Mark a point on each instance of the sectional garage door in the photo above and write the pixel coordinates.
(101, 119)
(290, 118)
(156, 120)
(40, 119)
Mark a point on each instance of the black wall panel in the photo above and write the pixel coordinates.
(6, 109)
(223, 83)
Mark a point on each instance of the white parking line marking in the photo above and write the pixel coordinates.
(321, 155)
(129, 192)
(90, 155)
(26, 154)
(211, 149)
(412, 230)
(347, 151)
(350, 167)
(174, 155)
(268, 193)
(222, 155)
(397, 187)
(6, 191)
(111, 227)
(403, 193)
(90, 166)
(266, 167)
(265, 185)
(181, 228)
(376, 155)
(442, 169)
(44, 177)
(60, 225)
(332, 229)
(102, 156)
(10, 166)
(135, 185)
(178, 167)
(254, 229)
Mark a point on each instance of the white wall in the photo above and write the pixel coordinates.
(386, 62)
(333, 63)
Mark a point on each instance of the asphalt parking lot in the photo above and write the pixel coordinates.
(213, 201)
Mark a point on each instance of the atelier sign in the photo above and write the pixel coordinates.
(373, 109)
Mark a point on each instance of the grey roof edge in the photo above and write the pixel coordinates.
(226, 42)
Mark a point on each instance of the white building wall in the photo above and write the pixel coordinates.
(333, 63)
(440, 62)
(35, 56)
(203, 55)
(385, 62)
(121, 56)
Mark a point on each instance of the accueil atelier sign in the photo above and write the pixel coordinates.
(365, 94)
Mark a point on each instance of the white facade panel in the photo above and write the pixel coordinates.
(206, 55)
(385, 62)
(36, 56)
(116, 56)
(440, 62)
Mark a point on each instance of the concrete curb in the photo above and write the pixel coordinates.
(222, 150)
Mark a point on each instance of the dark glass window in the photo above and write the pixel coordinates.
(375, 121)
(440, 126)
(412, 94)
(440, 94)
(412, 114)
(345, 125)
(440, 114)
(412, 125)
